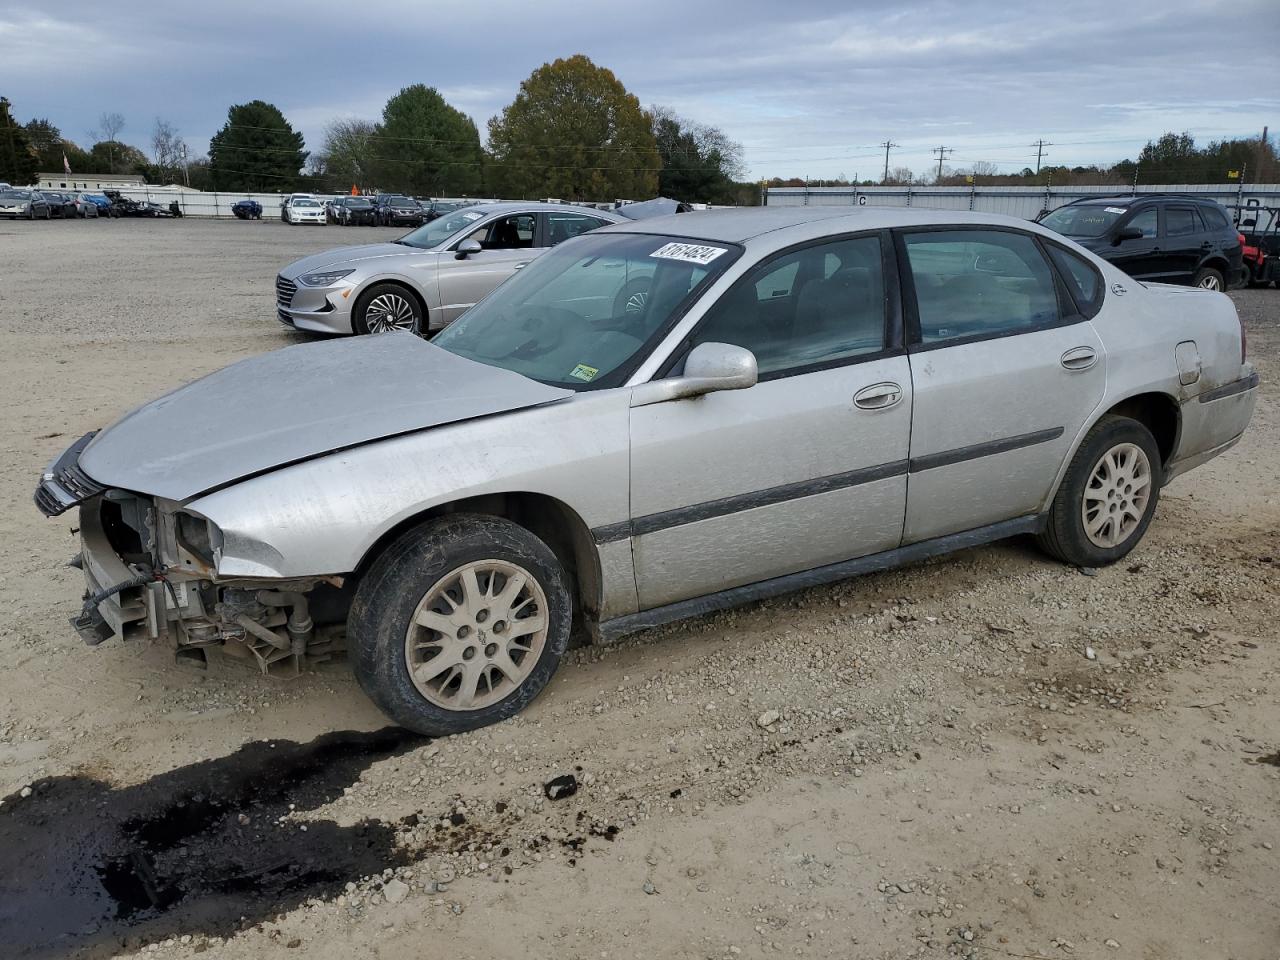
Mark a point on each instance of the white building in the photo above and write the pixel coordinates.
(93, 182)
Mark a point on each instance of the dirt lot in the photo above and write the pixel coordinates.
(949, 774)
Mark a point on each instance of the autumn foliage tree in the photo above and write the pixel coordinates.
(574, 132)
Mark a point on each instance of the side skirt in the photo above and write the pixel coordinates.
(611, 631)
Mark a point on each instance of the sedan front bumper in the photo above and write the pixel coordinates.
(314, 309)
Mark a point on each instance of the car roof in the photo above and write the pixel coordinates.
(516, 206)
(793, 224)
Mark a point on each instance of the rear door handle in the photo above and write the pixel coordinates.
(521, 266)
(878, 396)
(1079, 358)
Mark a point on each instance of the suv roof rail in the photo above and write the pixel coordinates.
(1146, 195)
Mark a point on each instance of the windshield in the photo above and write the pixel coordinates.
(398, 201)
(1083, 221)
(582, 314)
(305, 203)
(15, 195)
(441, 229)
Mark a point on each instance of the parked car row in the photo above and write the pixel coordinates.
(644, 421)
(382, 210)
(24, 203)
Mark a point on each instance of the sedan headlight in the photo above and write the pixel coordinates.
(326, 278)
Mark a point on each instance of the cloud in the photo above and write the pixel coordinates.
(809, 87)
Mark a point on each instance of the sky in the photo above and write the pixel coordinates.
(808, 87)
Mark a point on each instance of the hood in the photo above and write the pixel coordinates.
(296, 403)
(342, 255)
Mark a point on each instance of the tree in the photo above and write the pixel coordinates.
(47, 143)
(17, 159)
(109, 127)
(349, 152)
(699, 163)
(107, 157)
(256, 149)
(573, 131)
(168, 150)
(427, 147)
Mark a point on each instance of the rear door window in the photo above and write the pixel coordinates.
(1181, 222)
(977, 284)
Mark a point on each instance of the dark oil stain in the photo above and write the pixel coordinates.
(89, 869)
(1272, 759)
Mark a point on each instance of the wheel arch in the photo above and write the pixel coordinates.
(551, 520)
(394, 280)
(1159, 412)
(1216, 261)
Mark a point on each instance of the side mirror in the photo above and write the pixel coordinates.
(710, 367)
(1128, 233)
(466, 248)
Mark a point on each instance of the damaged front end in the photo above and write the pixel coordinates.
(150, 573)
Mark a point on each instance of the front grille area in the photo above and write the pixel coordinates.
(65, 484)
(285, 289)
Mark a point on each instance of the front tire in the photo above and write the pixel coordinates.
(460, 623)
(1108, 496)
(1209, 279)
(387, 308)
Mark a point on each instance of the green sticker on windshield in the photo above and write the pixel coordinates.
(583, 372)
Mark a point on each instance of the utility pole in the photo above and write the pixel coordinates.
(888, 145)
(942, 153)
(1040, 145)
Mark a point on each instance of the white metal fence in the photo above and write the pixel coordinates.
(1025, 202)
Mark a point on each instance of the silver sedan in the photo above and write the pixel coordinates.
(799, 396)
(426, 279)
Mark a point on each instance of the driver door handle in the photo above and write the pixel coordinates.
(878, 396)
(521, 266)
(1079, 358)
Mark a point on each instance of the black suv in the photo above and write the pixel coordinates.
(394, 210)
(1165, 237)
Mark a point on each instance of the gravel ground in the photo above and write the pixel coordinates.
(987, 755)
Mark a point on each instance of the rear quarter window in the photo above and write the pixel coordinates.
(1083, 280)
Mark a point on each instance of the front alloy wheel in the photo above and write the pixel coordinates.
(459, 623)
(387, 308)
(476, 635)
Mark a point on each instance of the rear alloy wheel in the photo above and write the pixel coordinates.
(1209, 279)
(387, 308)
(459, 624)
(1108, 496)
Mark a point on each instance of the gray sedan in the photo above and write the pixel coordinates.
(426, 279)
(802, 395)
(17, 202)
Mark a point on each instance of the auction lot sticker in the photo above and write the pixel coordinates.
(689, 252)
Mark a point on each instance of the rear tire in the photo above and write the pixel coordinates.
(1209, 279)
(1108, 496)
(440, 653)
